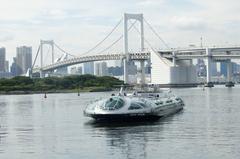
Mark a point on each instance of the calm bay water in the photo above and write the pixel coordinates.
(34, 127)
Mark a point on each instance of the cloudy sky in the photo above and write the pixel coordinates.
(76, 25)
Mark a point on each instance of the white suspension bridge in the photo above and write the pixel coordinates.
(169, 66)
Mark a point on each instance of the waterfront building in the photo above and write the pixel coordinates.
(101, 69)
(23, 59)
(115, 71)
(201, 68)
(2, 59)
(13, 68)
(223, 68)
(235, 68)
(168, 73)
(132, 68)
(76, 70)
(6, 66)
(73, 70)
(88, 68)
(148, 67)
(61, 71)
(214, 69)
(79, 70)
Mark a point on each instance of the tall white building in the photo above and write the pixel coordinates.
(13, 69)
(101, 69)
(23, 59)
(6, 66)
(2, 59)
(167, 72)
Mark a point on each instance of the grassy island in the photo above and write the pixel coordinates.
(82, 83)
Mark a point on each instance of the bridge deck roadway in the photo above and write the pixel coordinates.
(79, 60)
(180, 54)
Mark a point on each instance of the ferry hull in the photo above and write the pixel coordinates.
(125, 117)
(133, 116)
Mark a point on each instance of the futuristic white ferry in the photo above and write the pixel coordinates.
(136, 106)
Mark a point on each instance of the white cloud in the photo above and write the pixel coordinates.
(79, 24)
(188, 23)
(55, 14)
(5, 37)
(151, 3)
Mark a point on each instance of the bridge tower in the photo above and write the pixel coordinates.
(138, 17)
(42, 43)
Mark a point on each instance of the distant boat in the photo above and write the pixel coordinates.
(134, 107)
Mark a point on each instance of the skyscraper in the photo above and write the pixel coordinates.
(214, 68)
(2, 59)
(88, 68)
(223, 68)
(76, 70)
(24, 59)
(6, 66)
(14, 67)
(101, 69)
(132, 68)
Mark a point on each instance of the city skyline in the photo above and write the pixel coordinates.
(78, 26)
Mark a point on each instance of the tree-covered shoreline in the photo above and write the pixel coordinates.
(58, 84)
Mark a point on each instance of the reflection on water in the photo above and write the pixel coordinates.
(129, 139)
(34, 127)
(3, 124)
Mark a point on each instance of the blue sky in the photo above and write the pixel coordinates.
(77, 25)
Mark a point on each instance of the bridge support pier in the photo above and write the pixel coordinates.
(229, 82)
(208, 67)
(125, 71)
(142, 72)
(174, 58)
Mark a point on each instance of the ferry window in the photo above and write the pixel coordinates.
(136, 105)
(159, 103)
(178, 99)
(168, 101)
(133, 106)
(113, 104)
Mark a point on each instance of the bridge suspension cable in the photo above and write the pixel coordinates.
(63, 50)
(148, 42)
(100, 42)
(152, 29)
(143, 37)
(35, 59)
(46, 56)
(116, 41)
